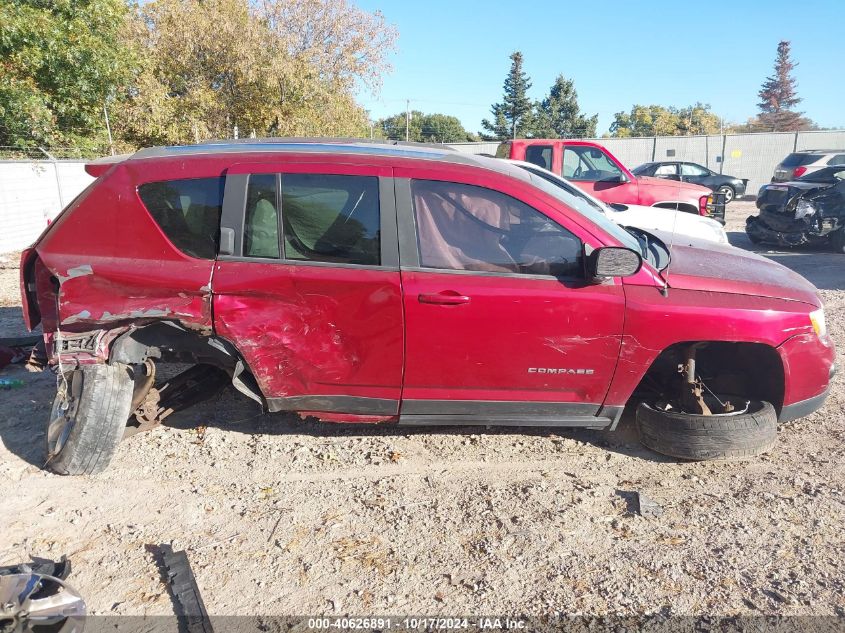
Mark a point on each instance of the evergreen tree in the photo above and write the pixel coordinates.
(778, 96)
(558, 115)
(513, 117)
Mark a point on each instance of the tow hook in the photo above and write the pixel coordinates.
(692, 391)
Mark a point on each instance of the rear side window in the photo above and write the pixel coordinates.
(261, 228)
(331, 218)
(799, 158)
(188, 211)
(540, 155)
(464, 227)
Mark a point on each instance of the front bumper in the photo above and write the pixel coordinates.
(797, 410)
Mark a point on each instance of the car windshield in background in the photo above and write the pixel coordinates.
(797, 159)
(829, 175)
(642, 169)
(585, 207)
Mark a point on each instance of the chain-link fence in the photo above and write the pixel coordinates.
(751, 156)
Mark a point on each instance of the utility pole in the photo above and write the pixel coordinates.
(108, 129)
(514, 127)
(407, 119)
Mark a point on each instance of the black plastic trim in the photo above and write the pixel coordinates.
(797, 410)
(354, 405)
(586, 421)
(492, 408)
(409, 255)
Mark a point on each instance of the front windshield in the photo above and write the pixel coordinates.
(585, 207)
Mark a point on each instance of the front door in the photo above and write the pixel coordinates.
(594, 171)
(501, 324)
(311, 296)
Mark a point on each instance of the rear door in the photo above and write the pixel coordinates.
(501, 324)
(310, 293)
(597, 173)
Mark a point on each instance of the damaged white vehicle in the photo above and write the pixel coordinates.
(686, 227)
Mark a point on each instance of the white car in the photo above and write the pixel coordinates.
(677, 226)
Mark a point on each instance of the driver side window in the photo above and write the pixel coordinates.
(465, 227)
(586, 163)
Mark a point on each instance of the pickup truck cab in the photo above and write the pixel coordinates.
(598, 172)
(404, 285)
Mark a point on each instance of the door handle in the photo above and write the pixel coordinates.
(445, 298)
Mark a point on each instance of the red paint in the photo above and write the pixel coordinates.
(313, 330)
(324, 330)
(641, 190)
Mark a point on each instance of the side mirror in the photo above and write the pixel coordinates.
(620, 178)
(613, 261)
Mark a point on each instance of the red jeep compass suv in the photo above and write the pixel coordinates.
(402, 284)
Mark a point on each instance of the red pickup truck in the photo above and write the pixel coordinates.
(405, 285)
(598, 172)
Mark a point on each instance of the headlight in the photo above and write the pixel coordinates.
(817, 319)
(804, 208)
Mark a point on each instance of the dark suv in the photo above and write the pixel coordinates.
(362, 282)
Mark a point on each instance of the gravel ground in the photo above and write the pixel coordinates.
(285, 517)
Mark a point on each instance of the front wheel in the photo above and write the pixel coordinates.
(751, 431)
(88, 418)
(729, 192)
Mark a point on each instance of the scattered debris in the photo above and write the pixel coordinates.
(647, 507)
(185, 593)
(32, 599)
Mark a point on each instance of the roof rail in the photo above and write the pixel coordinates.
(324, 139)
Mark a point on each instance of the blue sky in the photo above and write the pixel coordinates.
(453, 54)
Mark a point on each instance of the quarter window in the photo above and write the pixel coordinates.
(464, 227)
(331, 218)
(261, 228)
(188, 211)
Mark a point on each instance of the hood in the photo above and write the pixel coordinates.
(685, 226)
(651, 181)
(723, 268)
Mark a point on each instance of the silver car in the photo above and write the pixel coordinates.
(806, 161)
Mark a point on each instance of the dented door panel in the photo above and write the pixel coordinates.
(310, 330)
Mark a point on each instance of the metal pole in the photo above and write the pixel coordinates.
(407, 119)
(724, 143)
(654, 150)
(53, 160)
(108, 129)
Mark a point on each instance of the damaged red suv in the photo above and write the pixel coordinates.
(407, 285)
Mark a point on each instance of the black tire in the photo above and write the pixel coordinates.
(730, 194)
(97, 414)
(837, 240)
(700, 437)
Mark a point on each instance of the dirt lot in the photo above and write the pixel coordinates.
(285, 517)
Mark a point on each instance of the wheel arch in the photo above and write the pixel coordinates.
(753, 370)
(169, 341)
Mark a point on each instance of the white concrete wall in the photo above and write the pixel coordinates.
(31, 195)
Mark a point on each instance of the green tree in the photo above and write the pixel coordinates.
(656, 120)
(558, 115)
(424, 128)
(778, 97)
(513, 117)
(62, 61)
(272, 68)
